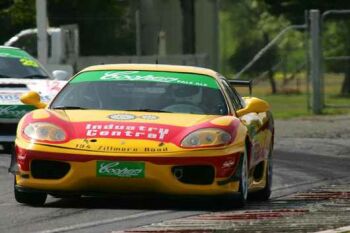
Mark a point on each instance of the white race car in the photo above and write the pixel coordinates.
(20, 72)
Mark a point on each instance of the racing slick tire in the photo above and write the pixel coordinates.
(242, 197)
(29, 198)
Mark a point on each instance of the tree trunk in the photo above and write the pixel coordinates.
(188, 26)
(345, 89)
(272, 81)
(270, 67)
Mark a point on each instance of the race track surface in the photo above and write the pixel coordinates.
(293, 172)
(309, 153)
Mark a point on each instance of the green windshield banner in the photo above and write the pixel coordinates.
(147, 76)
(24, 58)
(16, 53)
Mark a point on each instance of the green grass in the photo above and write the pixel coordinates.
(294, 103)
(287, 106)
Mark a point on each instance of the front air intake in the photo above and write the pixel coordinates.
(194, 174)
(47, 169)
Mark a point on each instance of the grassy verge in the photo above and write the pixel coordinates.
(292, 100)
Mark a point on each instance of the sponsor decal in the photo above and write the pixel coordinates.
(117, 149)
(24, 58)
(14, 111)
(147, 76)
(125, 117)
(122, 117)
(120, 169)
(47, 89)
(14, 98)
(125, 131)
(28, 62)
(135, 76)
(150, 149)
(82, 146)
(9, 98)
(229, 163)
(149, 117)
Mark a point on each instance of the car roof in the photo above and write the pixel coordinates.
(154, 67)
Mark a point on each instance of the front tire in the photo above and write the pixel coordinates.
(243, 182)
(29, 198)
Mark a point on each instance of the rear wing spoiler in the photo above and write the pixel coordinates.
(244, 83)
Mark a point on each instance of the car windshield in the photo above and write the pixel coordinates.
(15, 63)
(150, 91)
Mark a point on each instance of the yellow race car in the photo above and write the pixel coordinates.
(135, 128)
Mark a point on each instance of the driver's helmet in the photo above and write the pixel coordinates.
(187, 93)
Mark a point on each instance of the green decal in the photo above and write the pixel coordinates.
(120, 169)
(14, 111)
(25, 58)
(28, 62)
(147, 76)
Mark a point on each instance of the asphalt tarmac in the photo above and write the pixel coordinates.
(293, 172)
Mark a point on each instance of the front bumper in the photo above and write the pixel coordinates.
(159, 177)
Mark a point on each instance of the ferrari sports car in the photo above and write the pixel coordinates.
(144, 129)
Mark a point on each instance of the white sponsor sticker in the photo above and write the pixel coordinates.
(122, 117)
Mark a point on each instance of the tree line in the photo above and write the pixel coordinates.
(108, 28)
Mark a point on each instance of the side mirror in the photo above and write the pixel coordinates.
(253, 105)
(60, 74)
(32, 98)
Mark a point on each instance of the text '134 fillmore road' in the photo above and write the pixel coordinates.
(129, 128)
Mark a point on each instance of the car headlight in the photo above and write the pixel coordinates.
(206, 137)
(45, 132)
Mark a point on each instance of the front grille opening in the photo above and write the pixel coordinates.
(194, 174)
(47, 169)
(8, 128)
(12, 85)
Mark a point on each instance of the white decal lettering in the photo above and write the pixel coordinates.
(91, 132)
(12, 111)
(127, 131)
(111, 169)
(152, 135)
(162, 133)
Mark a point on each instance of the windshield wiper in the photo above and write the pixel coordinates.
(68, 107)
(33, 76)
(146, 110)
